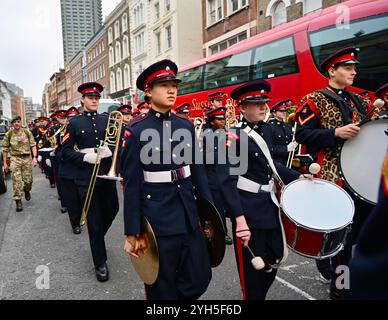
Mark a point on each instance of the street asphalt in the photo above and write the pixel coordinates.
(40, 238)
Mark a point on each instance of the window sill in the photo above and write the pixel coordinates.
(214, 23)
(139, 27)
(246, 7)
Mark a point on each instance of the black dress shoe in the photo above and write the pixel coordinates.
(27, 194)
(228, 240)
(63, 210)
(77, 230)
(102, 272)
(19, 206)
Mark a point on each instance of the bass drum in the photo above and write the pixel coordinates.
(360, 159)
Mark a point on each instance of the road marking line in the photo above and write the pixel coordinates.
(297, 290)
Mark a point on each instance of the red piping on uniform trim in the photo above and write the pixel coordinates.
(241, 264)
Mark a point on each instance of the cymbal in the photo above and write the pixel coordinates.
(147, 265)
(213, 229)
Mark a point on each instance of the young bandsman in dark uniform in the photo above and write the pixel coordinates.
(325, 119)
(247, 194)
(164, 191)
(86, 133)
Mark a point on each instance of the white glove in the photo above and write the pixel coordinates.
(39, 158)
(90, 158)
(105, 152)
(291, 146)
(48, 162)
(52, 154)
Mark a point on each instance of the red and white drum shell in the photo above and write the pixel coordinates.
(316, 216)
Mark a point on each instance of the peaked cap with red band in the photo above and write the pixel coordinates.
(142, 105)
(136, 113)
(125, 109)
(91, 89)
(217, 113)
(164, 70)
(73, 111)
(183, 108)
(256, 92)
(217, 96)
(380, 92)
(61, 114)
(281, 105)
(344, 56)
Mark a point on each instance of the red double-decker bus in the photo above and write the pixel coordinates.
(289, 55)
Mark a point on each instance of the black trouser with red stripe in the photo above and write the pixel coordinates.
(362, 210)
(103, 209)
(267, 244)
(71, 200)
(184, 267)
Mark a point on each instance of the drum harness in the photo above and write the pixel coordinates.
(264, 148)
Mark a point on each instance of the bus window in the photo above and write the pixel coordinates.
(370, 35)
(275, 59)
(228, 71)
(191, 80)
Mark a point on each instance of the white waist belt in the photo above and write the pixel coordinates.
(88, 150)
(166, 176)
(251, 186)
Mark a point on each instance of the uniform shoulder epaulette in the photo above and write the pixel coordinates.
(137, 120)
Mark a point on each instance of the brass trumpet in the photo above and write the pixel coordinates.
(112, 138)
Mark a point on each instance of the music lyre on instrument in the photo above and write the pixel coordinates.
(112, 137)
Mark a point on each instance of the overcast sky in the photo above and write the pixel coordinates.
(31, 42)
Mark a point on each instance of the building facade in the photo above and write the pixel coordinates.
(119, 53)
(227, 22)
(77, 77)
(46, 99)
(164, 29)
(97, 62)
(81, 19)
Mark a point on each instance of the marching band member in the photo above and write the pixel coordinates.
(282, 132)
(382, 93)
(326, 118)
(368, 268)
(247, 196)
(183, 110)
(55, 133)
(87, 132)
(66, 179)
(217, 122)
(163, 191)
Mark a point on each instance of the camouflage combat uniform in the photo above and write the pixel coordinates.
(19, 146)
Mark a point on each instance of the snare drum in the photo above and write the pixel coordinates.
(316, 216)
(360, 159)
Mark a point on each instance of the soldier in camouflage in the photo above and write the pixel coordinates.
(19, 142)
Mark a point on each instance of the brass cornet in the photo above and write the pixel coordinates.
(112, 138)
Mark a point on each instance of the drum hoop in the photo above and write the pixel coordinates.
(343, 178)
(333, 253)
(313, 229)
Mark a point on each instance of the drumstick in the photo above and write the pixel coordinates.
(257, 262)
(314, 168)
